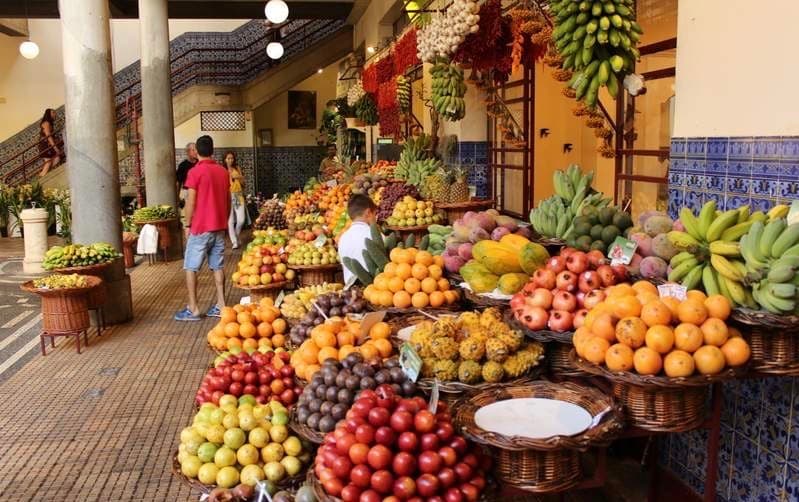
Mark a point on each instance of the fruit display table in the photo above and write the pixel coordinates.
(456, 210)
(308, 275)
(266, 291)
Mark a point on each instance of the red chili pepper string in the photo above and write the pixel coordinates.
(490, 48)
(369, 79)
(388, 109)
(405, 52)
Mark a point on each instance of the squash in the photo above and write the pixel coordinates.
(517, 242)
(532, 257)
(512, 283)
(497, 258)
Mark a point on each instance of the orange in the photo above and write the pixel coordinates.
(429, 285)
(269, 314)
(619, 357)
(344, 351)
(714, 331)
(420, 300)
(265, 342)
(278, 341)
(310, 354)
(656, 312)
(379, 330)
(672, 303)
(395, 284)
(595, 348)
(647, 361)
(709, 360)
(620, 290)
(368, 293)
(386, 298)
(437, 298)
(233, 342)
(218, 329)
(345, 338)
(696, 295)
(678, 363)
(404, 256)
(247, 330)
(411, 255)
(450, 296)
(424, 258)
(324, 338)
(249, 344)
(631, 331)
(380, 283)
(692, 311)
(244, 317)
(401, 299)
(435, 270)
(688, 337)
(646, 297)
(395, 254)
(604, 326)
(626, 306)
(581, 335)
(412, 285)
(228, 315)
(734, 332)
(660, 339)
(238, 308)
(736, 351)
(718, 306)
(368, 351)
(645, 286)
(443, 284)
(384, 347)
(335, 324)
(327, 353)
(266, 302)
(438, 261)
(419, 271)
(310, 370)
(279, 325)
(403, 271)
(390, 269)
(232, 329)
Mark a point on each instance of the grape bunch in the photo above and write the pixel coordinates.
(392, 194)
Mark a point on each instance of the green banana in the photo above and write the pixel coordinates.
(684, 268)
(710, 281)
(788, 238)
(693, 278)
(735, 232)
(785, 290)
(683, 240)
(782, 273)
(705, 218)
(691, 224)
(771, 232)
(720, 224)
(679, 258)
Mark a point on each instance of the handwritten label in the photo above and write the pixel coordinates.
(320, 241)
(368, 321)
(279, 299)
(621, 251)
(410, 362)
(245, 300)
(793, 213)
(433, 405)
(677, 291)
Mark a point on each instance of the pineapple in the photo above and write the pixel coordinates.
(469, 372)
(472, 349)
(445, 370)
(496, 350)
(459, 190)
(493, 372)
(444, 348)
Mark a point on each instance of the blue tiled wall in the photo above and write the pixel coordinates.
(473, 156)
(759, 449)
(282, 169)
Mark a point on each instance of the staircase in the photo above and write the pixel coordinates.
(234, 62)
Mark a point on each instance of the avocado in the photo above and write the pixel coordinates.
(610, 233)
(591, 213)
(622, 220)
(598, 244)
(606, 215)
(582, 228)
(596, 232)
(583, 243)
(581, 220)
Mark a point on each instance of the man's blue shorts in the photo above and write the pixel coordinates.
(211, 244)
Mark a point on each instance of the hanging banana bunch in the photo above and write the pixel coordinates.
(403, 93)
(448, 91)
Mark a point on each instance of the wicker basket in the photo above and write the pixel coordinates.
(305, 432)
(418, 231)
(308, 275)
(560, 364)
(659, 403)
(289, 483)
(541, 335)
(774, 341)
(541, 465)
(456, 210)
(105, 271)
(393, 312)
(257, 293)
(480, 301)
(64, 310)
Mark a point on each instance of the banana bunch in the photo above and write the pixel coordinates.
(553, 217)
(449, 88)
(771, 255)
(366, 109)
(571, 183)
(415, 162)
(596, 39)
(77, 255)
(59, 281)
(152, 213)
(403, 93)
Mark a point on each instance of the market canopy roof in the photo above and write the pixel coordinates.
(190, 9)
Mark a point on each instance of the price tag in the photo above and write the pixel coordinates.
(320, 311)
(279, 298)
(331, 183)
(793, 213)
(368, 321)
(350, 282)
(677, 291)
(621, 251)
(410, 362)
(320, 241)
(245, 300)
(263, 492)
(281, 250)
(433, 405)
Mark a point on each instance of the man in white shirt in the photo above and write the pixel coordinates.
(362, 212)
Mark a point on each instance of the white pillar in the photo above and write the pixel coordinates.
(90, 122)
(156, 90)
(35, 224)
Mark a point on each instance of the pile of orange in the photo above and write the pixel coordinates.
(634, 329)
(249, 327)
(412, 278)
(336, 338)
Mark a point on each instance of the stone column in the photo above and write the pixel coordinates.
(156, 91)
(35, 222)
(90, 122)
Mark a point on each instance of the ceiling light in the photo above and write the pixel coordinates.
(274, 50)
(28, 49)
(276, 11)
(370, 50)
(319, 70)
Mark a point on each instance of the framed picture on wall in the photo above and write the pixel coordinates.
(265, 135)
(302, 110)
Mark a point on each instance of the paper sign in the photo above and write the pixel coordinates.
(320, 311)
(320, 241)
(410, 362)
(331, 183)
(350, 282)
(263, 492)
(279, 298)
(245, 300)
(368, 321)
(793, 213)
(677, 291)
(433, 405)
(621, 251)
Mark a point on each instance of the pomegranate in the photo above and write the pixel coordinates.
(566, 281)
(560, 320)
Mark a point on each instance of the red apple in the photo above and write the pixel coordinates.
(424, 421)
(361, 475)
(382, 481)
(577, 262)
(545, 277)
(564, 301)
(407, 441)
(427, 485)
(401, 421)
(429, 442)
(379, 457)
(385, 436)
(566, 281)
(404, 488)
(447, 477)
(560, 320)
(404, 464)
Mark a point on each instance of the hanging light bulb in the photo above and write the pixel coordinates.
(28, 49)
(276, 11)
(274, 50)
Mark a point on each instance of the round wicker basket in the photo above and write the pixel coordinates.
(266, 291)
(774, 340)
(289, 483)
(65, 310)
(308, 275)
(305, 432)
(481, 301)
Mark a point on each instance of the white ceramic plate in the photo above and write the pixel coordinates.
(533, 418)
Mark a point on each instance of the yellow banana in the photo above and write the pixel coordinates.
(725, 248)
(778, 211)
(725, 268)
(683, 240)
(720, 224)
(736, 290)
(690, 223)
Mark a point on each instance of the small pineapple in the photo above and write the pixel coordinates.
(512, 338)
(421, 340)
(435, 186)
(446, 326)
(427, 367)
(516, 365)
(496, 350)
(445, 370)
(493, 372)
(469, 372)
(459, 190)
(469, 320)
(444, 348)
(472, 349)
(490, 316)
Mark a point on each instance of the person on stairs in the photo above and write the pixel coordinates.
(352, 243)
(50, 143)
(207, 209)
(238, 208)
